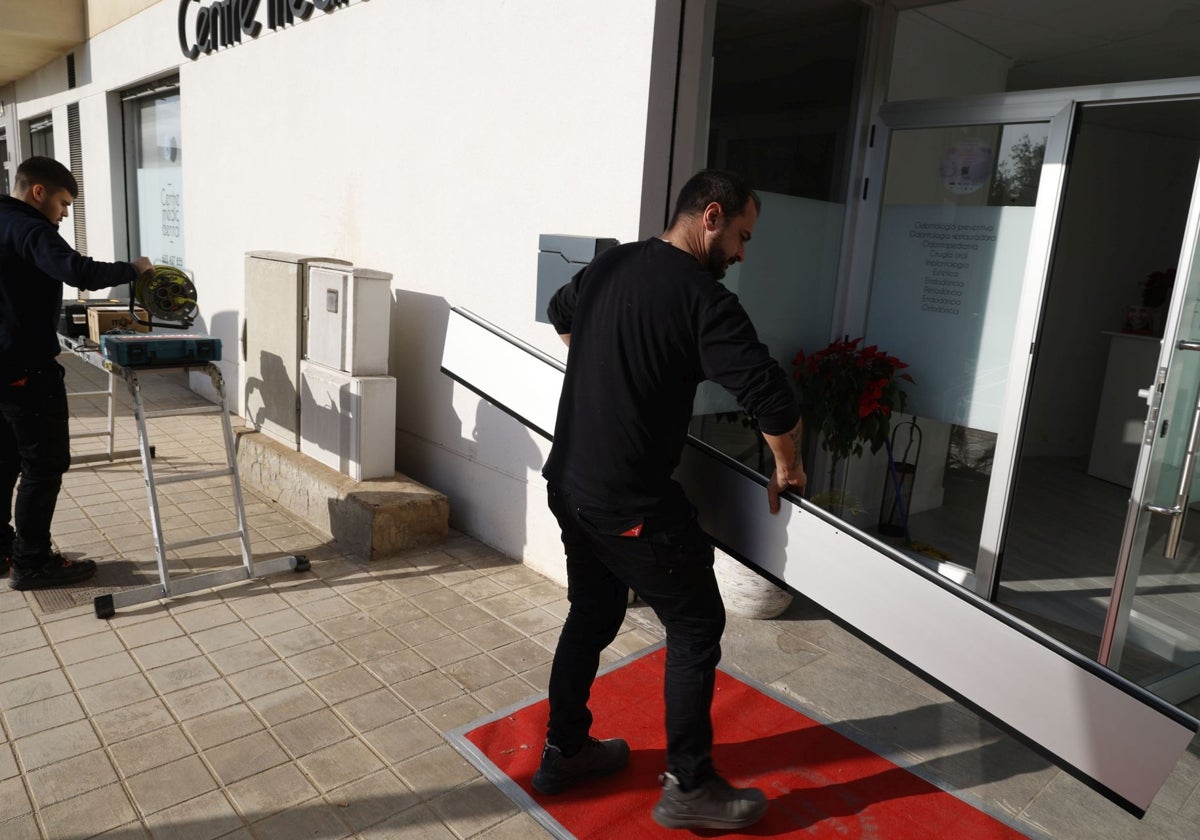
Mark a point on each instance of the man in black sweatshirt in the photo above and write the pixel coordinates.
(35, 262)
(647, 322)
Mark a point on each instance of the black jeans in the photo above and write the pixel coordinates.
(35, 444)
(669, 566)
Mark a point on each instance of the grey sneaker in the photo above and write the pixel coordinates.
(594, 759)
(715, 804)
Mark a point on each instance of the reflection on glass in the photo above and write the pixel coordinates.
(156, 225)
(950, 256)
(793, 150)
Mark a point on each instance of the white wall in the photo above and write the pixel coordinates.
(431, 139)
(930, 60)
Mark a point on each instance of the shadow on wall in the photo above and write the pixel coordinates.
(487, 476)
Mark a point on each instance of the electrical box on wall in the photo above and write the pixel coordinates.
(348, 422)
(559, 258)
(348, 319)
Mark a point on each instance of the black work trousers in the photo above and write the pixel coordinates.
(669, 566)
(34, 445)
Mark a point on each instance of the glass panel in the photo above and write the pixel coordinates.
(954, 232)
(782, 110)
(5, 189)
(1118, 242)
(41, 141)
(156, 194)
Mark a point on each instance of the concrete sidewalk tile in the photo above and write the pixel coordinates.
(421, 631)
(223, 636)
(23, 827)
(33, 688)
(14, 800)
(286, 704)
(102, 670)
(242, 758)
(399, 666)
(297, 640)
(312, 732)
(435, 772)
(328, 608)
(148, 632)
(42, 715)
(375, 645)
(417, 823)
(479, 588)
(203, 818)
(519, 827)
(427, 690)
(201, 699)
(116, 693)
(476, 672)
(455, 713)
(36, 661)
(447, 650)
(348, 626)
(71, 777)
(440, 600)
(494, 634)
(101, 809)
(340, 764)
(242, 657)
(403, 739)
(164, 653)
(222, 726)
(206, 618)
(534, 621)
(522, 655)
(368, 598)
(372, 799)
(18, 641)
(541, 593)
(271, 791)
(8, 762)
(465, 617)
(73, 627)
(370, 711)
(170, 784)
(55, 745)
(470, 809)
(344, 684)
(254, 604)
(278, 621)
(263, 679)
(154, 749)
(129, 721)
(181, 675)
(17, 620)
(308, 819)
(505, 693)
(320, 661)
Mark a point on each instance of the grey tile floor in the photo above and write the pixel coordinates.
(314, 705)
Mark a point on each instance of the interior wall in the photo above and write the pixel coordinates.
(1125, 208)
(931, 60)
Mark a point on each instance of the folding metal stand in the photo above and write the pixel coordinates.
(81, 348)
(106, 605)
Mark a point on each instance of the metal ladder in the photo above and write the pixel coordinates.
(106, 605)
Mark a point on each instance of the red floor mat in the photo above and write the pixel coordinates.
(820, 784)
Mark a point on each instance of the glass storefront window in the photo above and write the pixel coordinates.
(5, 187)
(783, 99)
(154, 187)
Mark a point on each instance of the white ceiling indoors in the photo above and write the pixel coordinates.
(1060, 43)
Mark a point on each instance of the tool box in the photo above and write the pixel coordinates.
(160, 349)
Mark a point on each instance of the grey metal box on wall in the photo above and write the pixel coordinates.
(348, 319)
(559, 257)
(272, 336)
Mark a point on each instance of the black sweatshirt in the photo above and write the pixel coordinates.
(35, 262)
(648, 323)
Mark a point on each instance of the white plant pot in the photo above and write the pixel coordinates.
(747, 593)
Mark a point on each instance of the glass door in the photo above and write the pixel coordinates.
(1152, 629)
(967, 202)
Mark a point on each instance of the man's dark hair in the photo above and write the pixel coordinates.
(48, 172)
(709, 185)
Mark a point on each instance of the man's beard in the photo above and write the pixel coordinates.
(718, 261)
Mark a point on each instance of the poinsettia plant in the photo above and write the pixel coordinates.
(849, 393)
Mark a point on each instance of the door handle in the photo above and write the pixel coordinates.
(1178, 511)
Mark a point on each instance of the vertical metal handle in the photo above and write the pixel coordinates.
(1184, 490)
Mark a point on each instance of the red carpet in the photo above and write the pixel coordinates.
(820, 784)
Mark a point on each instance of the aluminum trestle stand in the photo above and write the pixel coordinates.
(107, 605)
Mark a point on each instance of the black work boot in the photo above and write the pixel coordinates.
(595, 758)
(714, 804)
(56, 571)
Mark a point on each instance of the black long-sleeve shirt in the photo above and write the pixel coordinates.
(648, 323)
(35, 262)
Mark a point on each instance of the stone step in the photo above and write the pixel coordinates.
(373, 519)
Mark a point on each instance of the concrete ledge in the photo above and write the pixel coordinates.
(373, 518)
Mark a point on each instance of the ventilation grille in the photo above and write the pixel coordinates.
(78, 210)
(70, 70)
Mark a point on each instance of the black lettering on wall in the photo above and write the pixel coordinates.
(249, 22)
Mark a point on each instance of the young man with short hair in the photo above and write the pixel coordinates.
(35, 262)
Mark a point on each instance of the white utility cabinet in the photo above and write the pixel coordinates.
(348, 422)
(348, 318)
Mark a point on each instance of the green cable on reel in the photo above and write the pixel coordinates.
(165, 292)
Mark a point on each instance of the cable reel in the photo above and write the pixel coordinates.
(167, 293)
